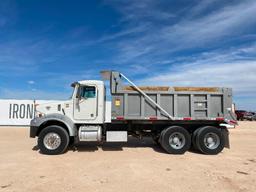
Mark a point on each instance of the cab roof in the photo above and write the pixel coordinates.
(86, 82)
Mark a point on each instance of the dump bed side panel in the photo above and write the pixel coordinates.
(195, 102)
(195, 105)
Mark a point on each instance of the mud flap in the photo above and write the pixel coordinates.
(225, 133)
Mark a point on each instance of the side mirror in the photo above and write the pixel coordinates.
(76, 102)
(78, 94)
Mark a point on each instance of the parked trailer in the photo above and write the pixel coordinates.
(177, 118)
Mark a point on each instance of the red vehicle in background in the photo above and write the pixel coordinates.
(240, 114)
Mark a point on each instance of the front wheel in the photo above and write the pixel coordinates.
(175, 140)
(53, 140)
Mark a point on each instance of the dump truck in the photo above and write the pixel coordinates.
(176, 118)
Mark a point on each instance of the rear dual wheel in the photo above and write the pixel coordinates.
(175, 140)
(194, 139)
(209, 140)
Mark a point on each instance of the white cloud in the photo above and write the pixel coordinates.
(239, 75)
(31, 82)
(2, 21)
(212, 24)
(57, 84)
(9, 93)
(184, 32)
(213, 69)
(23, 56)
(8, 13)
(228, 21)
(141, 10)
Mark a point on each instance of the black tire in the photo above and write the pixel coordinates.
(161, 137)
(194, 135)
(201, 140)
(175, 131)
(156, 139)
(71, 141)
(64, 140)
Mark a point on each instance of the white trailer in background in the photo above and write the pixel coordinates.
(175, 117)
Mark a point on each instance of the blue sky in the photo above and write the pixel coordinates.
(46, 45)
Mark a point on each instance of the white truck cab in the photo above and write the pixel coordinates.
(87, 104)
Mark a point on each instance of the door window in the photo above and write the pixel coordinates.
(88, 92)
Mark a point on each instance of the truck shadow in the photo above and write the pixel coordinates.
(35, 148)
(117, 146)
(84, 147)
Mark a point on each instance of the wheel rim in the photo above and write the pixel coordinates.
(52, 141)
(177, 140)
(211, 140)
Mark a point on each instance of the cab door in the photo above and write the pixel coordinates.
(85, 104)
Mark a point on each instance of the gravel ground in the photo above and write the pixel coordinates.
(135, 166)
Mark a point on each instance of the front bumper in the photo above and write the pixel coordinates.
(34, 126)
(33, 131)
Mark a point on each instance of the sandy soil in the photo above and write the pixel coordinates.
(135, 166)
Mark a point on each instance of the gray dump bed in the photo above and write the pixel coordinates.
(169, 103)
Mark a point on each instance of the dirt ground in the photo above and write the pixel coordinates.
(135, 166)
